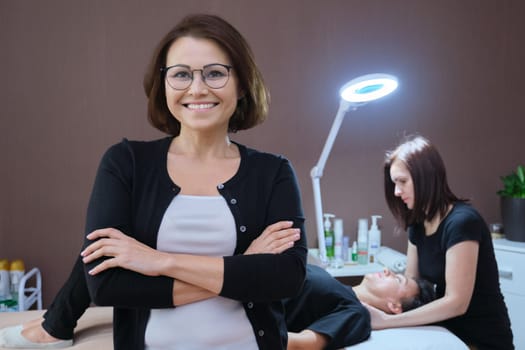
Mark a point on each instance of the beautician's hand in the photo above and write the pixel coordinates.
(275, 239)
(378, 318)
(124, 251)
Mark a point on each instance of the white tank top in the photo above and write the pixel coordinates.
(201, 225)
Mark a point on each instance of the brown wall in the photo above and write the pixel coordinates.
(71, 86)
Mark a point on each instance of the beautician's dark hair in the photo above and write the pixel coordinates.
(252, 106)
(432, 194)
(427, 293)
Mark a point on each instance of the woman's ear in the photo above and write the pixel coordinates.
(394, 307)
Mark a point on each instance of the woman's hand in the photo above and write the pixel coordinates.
(123, 251)
(378, 318)
(275, 239)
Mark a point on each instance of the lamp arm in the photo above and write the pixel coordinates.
(344, 106)
(317, 172)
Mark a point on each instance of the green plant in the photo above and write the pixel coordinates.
(514, 184)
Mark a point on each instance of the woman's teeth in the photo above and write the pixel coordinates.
(200, 105)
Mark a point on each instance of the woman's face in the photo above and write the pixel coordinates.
(199, 107)
(403, 185)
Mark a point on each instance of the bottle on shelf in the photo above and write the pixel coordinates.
(329, 238)
(6, 301)
(5, 286)
(362, 241)
(338, 262)
(16, 272)
(346, 249)
(374, 238)
(354, 251)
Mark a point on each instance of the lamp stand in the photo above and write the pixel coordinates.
(317, 172)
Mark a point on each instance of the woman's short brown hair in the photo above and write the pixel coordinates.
(252, 106)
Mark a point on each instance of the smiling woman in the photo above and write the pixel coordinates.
(173, 217)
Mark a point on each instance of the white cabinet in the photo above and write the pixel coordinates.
(511, 267)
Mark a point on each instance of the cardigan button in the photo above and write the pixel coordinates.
(233, 201)
(242, 228)
(260, 332)
(250, 305)
(220, 187)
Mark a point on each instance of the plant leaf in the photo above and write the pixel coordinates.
(521, 173)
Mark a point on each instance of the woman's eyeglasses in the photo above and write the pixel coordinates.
(180, 76)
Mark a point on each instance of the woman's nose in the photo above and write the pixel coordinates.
(397, 191)
(198, 86)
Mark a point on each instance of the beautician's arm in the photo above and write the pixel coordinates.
(460, 275)
(411, 270)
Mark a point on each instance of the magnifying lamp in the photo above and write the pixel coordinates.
(354, 94)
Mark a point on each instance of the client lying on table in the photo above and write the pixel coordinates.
(325, 315)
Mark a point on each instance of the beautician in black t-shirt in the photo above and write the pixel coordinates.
(449, 245)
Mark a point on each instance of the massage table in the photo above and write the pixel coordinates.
(94, 331)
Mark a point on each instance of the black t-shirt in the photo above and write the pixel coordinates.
(486, 323)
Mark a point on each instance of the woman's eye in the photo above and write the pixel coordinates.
(181, 75)
(214, 74)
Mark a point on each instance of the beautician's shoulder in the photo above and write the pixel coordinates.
(464, 212)
(463, 223)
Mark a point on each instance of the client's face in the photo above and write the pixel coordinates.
(389, 286)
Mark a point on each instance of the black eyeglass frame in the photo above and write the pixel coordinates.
(164, 71)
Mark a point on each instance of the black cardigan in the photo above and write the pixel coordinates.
(132, 191)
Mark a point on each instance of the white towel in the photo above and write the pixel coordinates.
(392, 259)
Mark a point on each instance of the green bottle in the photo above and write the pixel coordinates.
(329, 237)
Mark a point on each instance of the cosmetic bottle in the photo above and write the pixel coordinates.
(338, 262)
(346, 249)
(16, 272)
(362, 241)
(354, 251)
(5, 294)
(329, 239)
(374, 238)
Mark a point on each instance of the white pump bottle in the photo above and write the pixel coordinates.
(374, 238)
